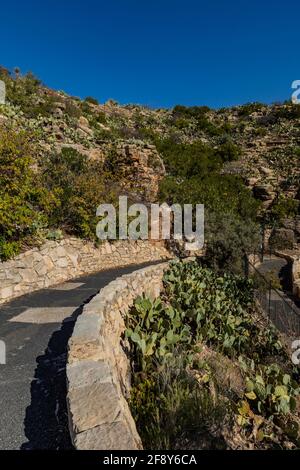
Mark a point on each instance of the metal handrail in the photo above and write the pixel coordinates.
(297, 312)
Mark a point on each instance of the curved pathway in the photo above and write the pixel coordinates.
(36, 329)
(282, 306)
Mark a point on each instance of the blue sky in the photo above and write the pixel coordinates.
(157, 52)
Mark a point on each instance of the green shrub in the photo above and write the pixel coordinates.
(90, 99)
(187, 160)
(72, 110)
(8, 249)
(221, 194)
(228, 152)
(228, 238)
(249, 108)
(283, 208)
(24, 203)
(170, 407)
(190, 111)
(79, 185)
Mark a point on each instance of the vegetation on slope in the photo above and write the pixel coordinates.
(211, 157)
(207, 371)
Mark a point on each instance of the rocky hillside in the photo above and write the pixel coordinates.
(251, 151)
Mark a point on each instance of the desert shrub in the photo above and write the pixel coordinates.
(79, 185)
(228, 238)
(260, 132)
(126, 132)
(182, 115)
(282, 239)
(72, 110)
(25, 92)
(100, 118)
(190, 111)
(289, 112)
(194, 178)
(219, 194)
(146, 133)
(43, 107)
(283, 208)
(187, 160)
(170, 408)
(181, 123)
(90, 99)
(228, 152)
(96, 118)
(249, 108)
(24, 203)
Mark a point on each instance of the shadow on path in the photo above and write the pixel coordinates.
(46, 419)
(285, 276)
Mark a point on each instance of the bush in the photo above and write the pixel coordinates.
(190, 111)
(187, 160)
(228, 152)
(220, 194)
(72, 110)
(79, 185)
(283, 208)
(90, 99)
(23, 201)
(228, 238)
(170, 408)
(249, 108)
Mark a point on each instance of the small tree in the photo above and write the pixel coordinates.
(228, 238)
(21, 197)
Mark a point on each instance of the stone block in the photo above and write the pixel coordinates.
(6, 292)
(85, 339)
(93, 396)
(112, 436)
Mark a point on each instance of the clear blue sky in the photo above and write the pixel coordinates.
(157, 52)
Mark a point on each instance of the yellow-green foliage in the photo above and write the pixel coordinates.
(80, 185)
(197, 307)
(23, 202)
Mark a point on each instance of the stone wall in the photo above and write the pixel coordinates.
(58, 261)
(98, 369)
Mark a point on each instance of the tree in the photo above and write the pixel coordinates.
(22, 199)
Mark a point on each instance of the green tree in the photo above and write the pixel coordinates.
(23, 202)
(80, 185)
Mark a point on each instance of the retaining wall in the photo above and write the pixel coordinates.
(98, 369)
(58, 261)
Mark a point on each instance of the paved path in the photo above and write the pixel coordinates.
(36, 329)
(279, 267)
(282, 307)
